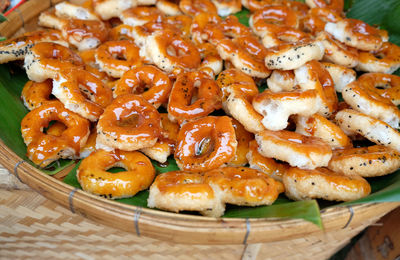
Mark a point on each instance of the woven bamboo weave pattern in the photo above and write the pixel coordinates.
(31, 226)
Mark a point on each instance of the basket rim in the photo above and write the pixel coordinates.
(173, 227)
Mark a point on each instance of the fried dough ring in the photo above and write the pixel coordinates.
(129, 123)
(238, 91)
(371, 161)
(166, 143)
(386, 85)
(245, 54)
(206, 143)
(366, 99)
(117, 57)
(337, 52)
(140, 15)
(72, 11)
(194, 7)
(211, 62)
(90, 145)
(227, 7)
(180, 108)
(181, 22)
(36, 94)
(341, 75)
(17, 48)
(325, 184)
(336, 5)
(243, 186)
(121, 32)
(107, 9)
(201, 23)
(45, 148)
(305, 152)
(313, 75)
(385, 60)
(148, 77)
(178, 190)
(262, 19)
(83, 34)
(357, 34)
(92, 173)
(82, 92)
(277, 107)
(282, 80)
(45, 60)
(167, 7)
(265, 164)
(317, 18)
(243, 138)
(169, 51)
(318, 126)
(377, 131)
(292, 56)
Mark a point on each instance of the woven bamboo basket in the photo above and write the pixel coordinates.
(60, 221)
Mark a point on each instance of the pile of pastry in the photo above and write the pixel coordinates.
(117, 83)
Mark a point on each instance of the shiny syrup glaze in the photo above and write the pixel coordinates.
(231, 27)
(286, 95)
(90, 145)
(44, 148)
(336, 5)
(337, 181)
(121, 32)
(386, 85)
(55, 57)
(33, 37)
(180, 104)
(254, 5)
(219, 136)
(193, 7)
(166, 143)
(35, 94)
(239, 48)
(186, 54)
(274, 15)
(267, 165)
(388, 55)
(81, 29)
(328, 92)
(364, 31)
(130, 118)
(148, 81)
(86, 89)
(243, 183)
(317, 122)
(204, 26)
(120, 55)
(239, 85)
(369, 92)
(181, 22)
(93, 176)
(144, 14)
(350, 51)
(315, 21)
(189, 185)
(243, 138)
(297, 142)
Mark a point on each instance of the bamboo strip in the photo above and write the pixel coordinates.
(23, 14)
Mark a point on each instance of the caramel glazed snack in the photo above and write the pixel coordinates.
(130, 81)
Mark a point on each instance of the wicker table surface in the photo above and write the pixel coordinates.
(32, 226)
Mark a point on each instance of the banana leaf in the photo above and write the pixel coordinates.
(386, 188)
